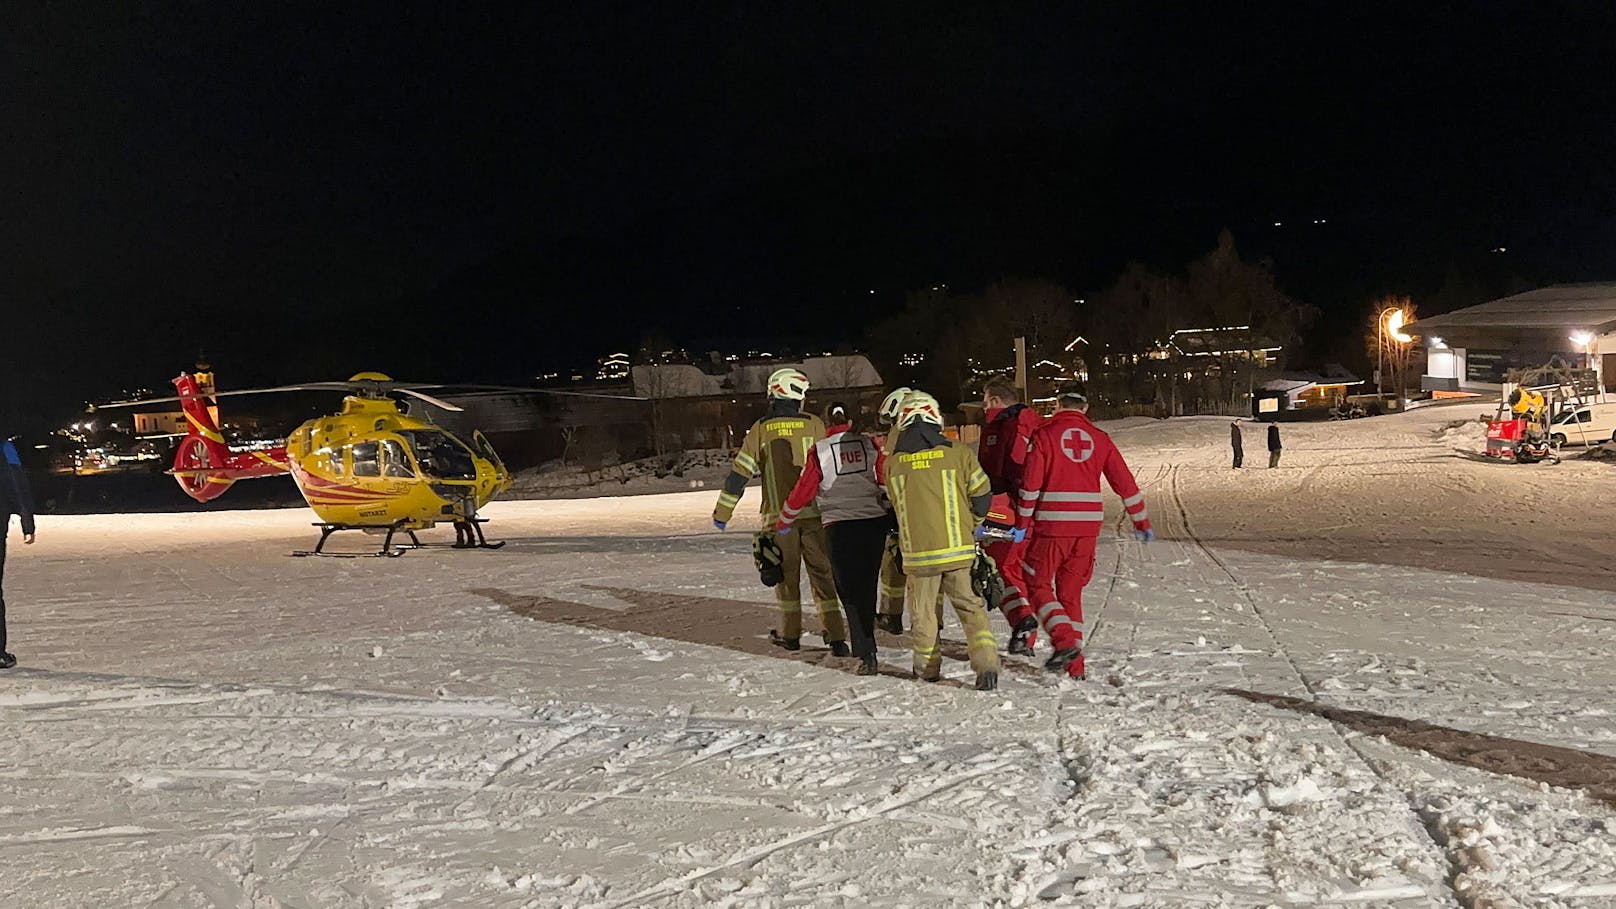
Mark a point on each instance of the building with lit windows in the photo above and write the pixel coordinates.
(1471, 350)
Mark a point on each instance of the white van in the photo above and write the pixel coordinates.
(1589, 424)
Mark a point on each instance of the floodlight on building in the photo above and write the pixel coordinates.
(1581, 338)
(1439, 344)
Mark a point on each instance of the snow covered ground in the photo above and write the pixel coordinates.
(1377, 676)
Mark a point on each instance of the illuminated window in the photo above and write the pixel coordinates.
(395, 463)
(366, 460)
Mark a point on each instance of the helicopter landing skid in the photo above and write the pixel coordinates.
(387, 550)
(468, 535)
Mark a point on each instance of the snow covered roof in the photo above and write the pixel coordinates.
(1331, 374)
(852, 371)
(1588, 307)
(674, 381)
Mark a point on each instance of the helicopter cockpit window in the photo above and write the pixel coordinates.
(441, 457)
(365, 460)
(395, 463)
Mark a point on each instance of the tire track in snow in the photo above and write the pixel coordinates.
(1417, 814)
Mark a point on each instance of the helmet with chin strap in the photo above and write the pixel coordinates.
(920, 406)
(893, 402)
(789, 384)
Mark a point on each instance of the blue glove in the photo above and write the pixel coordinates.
(719, 524)
(1018, 534)
(1144, 536)
(783, 530)
(980, 532)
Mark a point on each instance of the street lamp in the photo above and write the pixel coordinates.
(1585, 340)
(1390, 323)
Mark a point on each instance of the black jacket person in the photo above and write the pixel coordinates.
(14, 500)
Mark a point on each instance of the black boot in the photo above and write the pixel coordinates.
(987, 681)
(891, 624)
(787, 643)
(1057, 661)
(839, 649)
(7, 660)
(1018, 636)
(868, 665)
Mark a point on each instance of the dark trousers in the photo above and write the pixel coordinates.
(1239, 456)
(3, 532)
(1273, 458)
(855, 561)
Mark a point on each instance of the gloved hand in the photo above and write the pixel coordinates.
(1018, 534)
(980, 532)
(720, 524)
(782, 529)
(1144, 536)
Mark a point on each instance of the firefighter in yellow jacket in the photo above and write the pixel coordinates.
(775, 449)
(940, 494)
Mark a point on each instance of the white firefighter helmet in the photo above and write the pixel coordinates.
(920, 406)
(788, 383)
(892, 403)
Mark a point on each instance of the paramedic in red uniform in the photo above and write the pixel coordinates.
(1061, 511)
(1010, 425)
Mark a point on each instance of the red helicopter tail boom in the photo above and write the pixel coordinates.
(204, 464)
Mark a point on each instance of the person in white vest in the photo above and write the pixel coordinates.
(839, 474)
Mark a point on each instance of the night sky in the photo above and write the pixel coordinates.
(452, 192)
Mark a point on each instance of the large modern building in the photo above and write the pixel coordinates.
(1473, 349)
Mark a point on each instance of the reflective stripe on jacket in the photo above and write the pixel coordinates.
(1060, 488)
(931, 491)
(840, 478)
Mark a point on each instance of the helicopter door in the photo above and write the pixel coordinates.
(485, 450)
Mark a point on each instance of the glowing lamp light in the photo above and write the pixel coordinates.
(1439, 344)
(1581, 338)
(1395, 320)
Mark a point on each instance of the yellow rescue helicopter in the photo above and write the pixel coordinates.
(369, 467)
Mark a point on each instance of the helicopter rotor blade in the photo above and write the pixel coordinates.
(435, 402)
(528, 389)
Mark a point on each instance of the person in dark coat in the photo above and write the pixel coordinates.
(1274, 448)
(14, 500)
(1236, 443)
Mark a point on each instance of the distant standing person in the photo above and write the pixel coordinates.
(14, 500)
(1235, 442)
(1274, 448)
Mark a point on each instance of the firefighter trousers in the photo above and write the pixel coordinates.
(806, 543)
(1008, 558)
(924, 594)
(893, 582)
(855, 558)
(1057, 569)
